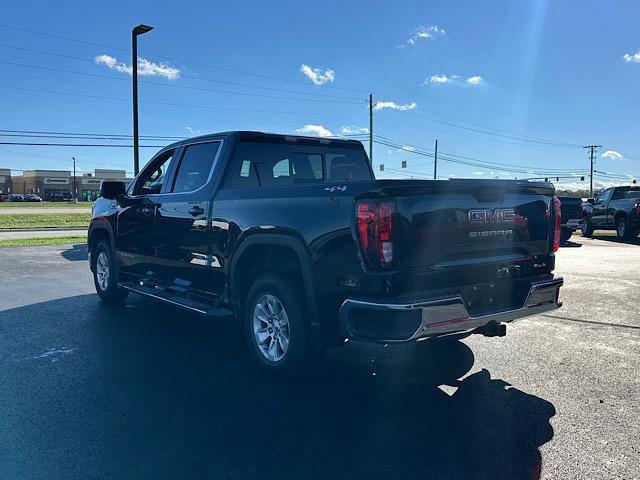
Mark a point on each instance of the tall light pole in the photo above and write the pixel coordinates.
(139, 30)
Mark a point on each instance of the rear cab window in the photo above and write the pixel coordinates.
(257, 163)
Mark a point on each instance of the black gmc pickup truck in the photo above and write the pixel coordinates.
(615, 208)
(295, 238)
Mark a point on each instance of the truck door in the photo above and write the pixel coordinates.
(136, 218)
(617, 194)
(183, 222)
(599, 215)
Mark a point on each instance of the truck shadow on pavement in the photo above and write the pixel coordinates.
(76, 253)
(147, 391)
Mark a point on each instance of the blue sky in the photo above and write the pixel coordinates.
(476, 75)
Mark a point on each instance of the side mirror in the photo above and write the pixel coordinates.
(112, 190)
(591, 201)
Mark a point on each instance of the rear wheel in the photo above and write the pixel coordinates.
(105, 275)
(587, 227)
(277, 327)
(565, 235)
(624, 231)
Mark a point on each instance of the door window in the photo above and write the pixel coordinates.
(195, 166)
(604, 196)
(153, 176)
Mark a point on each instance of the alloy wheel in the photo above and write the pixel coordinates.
(271, 328)
(102, 271)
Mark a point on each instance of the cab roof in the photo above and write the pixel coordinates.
(251, 136)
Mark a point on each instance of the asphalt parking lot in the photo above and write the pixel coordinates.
(146, 391)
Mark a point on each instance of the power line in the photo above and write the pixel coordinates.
(124, 136)
(485, 132)
(214, 67)
(463, 160)
(187, 87)
(107, 145)
(171, 104)
(480, 137)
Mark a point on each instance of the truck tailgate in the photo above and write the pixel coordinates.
(458, 223)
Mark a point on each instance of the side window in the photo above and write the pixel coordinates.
(195, 166)
(604, 196)
(154, 175)
(347, 166)
(281, 169)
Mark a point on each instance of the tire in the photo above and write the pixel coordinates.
(105, 275)
(565, 235)
(277, 328)
(624, 231)
(586, 228)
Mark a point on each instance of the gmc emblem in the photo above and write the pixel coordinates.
(485, 215)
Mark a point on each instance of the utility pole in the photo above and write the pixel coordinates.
(75, 190)
(139, 30)
(592, 152)
(435, 162)
(371, 128)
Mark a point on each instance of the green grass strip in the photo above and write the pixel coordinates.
(44, 205)
(44, 220)
(36, 242)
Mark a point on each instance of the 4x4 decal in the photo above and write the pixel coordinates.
(338, 188)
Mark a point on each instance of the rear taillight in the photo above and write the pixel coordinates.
(557, 221)
(636, 208)
(375, 231)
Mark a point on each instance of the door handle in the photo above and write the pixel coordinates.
(146, 210)
(196, 210)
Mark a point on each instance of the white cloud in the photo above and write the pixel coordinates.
(146, 67)
(575, 186)
(473, 80)
(315, 130)
(612, 154)
(477, 173)
(632, 58)
(406, 148)
(395, 106)
(440, 79)
(192, 131)
(353, 130)
(317, 76)
(424, 33)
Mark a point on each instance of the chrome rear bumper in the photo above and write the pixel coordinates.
(437, 317)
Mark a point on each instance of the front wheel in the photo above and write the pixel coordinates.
(105, 275)
(587, 227)
(277, 327)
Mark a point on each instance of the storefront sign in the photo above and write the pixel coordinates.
(56, 181)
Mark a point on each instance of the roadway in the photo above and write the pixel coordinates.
(147, 391)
